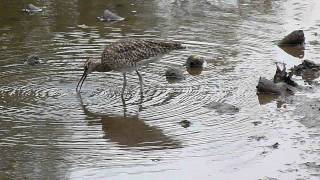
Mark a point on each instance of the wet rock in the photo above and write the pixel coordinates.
(223, 108)
(185, 123)
(275, 145)
(281, 75)
(281, 84)
(309, 70)
(32, 60)
(30, 8)
(109, 16)
(174, 75)
(195, 61)
(293, 39)
(256, 123)
(266, 86)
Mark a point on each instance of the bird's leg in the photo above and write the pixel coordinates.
(141, 82)
(124, 85)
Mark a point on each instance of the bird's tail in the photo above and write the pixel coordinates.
(172, 45)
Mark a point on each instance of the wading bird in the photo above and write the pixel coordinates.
(127, 55)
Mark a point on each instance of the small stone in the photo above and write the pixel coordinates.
(275, 145)
(32, 60)
(185, 123)
(195, 61)
(256, 123)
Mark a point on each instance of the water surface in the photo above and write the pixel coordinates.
(48, 131)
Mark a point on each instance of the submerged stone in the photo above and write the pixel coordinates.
(256, 123)
(109, 16)
(293, 39)
(174, 75)
(223, 108)
(32, 60)
(30, 8)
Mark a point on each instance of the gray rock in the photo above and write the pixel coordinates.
(30, 8)
(109, 16)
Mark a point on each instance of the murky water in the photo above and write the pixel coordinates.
(47, 131)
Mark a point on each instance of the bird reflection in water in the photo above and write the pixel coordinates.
(130, 131)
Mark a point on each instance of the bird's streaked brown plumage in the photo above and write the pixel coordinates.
(126, 55)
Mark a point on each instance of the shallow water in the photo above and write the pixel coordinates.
(48, 131)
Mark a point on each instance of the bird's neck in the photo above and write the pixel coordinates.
(100, 67)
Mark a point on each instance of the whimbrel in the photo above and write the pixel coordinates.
(127, 55)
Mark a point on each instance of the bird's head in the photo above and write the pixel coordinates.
(89, 66)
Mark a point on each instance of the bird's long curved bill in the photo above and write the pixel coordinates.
(81, 81)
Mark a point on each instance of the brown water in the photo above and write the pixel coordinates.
(48, 132)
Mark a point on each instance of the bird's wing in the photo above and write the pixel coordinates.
(135, 50)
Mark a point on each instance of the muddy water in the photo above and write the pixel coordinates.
(48, 131)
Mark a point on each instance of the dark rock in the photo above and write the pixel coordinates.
(109, 16)
(293, 39)
(267, 86)
(309, 70)
(174, 75)
(30, 8)
(256, 123)
(282, 83)
(32, 60)
(283, 76)
(195, 61)
(185, 123)
(275, 145)
(223, 108)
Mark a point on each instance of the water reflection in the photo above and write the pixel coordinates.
(268, 98)
(130, 131)
(295, 51)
